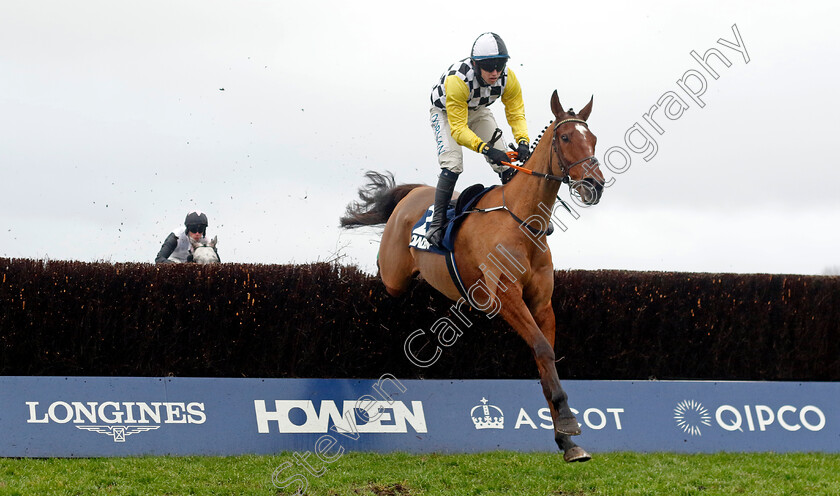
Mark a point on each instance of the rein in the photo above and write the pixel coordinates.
(564, 169)
(521, 222)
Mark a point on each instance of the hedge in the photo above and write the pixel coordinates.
(327, 320)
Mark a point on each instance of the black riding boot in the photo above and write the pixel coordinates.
(443, 194)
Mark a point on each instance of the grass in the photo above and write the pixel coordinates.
(399, 474)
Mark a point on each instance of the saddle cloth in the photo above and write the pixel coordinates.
(455, 215)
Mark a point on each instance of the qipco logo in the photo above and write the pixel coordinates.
(759, 417)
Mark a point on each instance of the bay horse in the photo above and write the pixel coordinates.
(522, 288)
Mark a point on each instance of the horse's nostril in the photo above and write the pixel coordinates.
(596, 185)
(594, 188)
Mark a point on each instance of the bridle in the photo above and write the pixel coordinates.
(566, 168)
(562, 178)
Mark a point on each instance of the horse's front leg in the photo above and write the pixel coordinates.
(544, 317)
(516, 313)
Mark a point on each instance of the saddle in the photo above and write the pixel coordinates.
(455, 215)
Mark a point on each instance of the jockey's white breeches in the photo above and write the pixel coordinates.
(450, 155)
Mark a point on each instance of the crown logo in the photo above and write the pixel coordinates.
(486, 416)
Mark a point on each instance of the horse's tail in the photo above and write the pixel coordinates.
(378, 199)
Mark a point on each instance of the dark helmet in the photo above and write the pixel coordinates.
(489, 46)
(196, 222)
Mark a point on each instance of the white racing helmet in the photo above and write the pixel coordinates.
(489, 46)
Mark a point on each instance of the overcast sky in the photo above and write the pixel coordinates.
(117, 118)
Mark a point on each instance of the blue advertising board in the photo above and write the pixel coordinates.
(121, 416)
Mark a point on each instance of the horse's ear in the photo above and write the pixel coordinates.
(213, 242)
(584, 114)
(555, 105)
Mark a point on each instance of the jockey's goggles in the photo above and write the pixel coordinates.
(196, 228)
(491, 65)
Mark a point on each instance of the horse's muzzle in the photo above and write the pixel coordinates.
(590, 190)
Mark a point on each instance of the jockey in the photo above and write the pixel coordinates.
(460, 117)
(176, 248)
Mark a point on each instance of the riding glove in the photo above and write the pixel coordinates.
(494, 155)
(523, 152)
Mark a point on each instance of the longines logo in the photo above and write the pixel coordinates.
(117, 420)
(690, 415)
(118, 432)
(487, 416)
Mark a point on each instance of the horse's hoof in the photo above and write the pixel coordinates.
(568, 426)
(576, 454)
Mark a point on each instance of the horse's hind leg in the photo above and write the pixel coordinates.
(395, 275)
(396, 264)
(396, 286)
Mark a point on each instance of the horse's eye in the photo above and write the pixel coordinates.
(565, 138)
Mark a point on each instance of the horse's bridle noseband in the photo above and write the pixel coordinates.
(563, 178)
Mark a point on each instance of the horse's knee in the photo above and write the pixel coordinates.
(543, 352)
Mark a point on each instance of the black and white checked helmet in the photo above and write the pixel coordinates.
(489, 46)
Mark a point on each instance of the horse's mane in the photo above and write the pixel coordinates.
(571, 112)
(539, 136)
